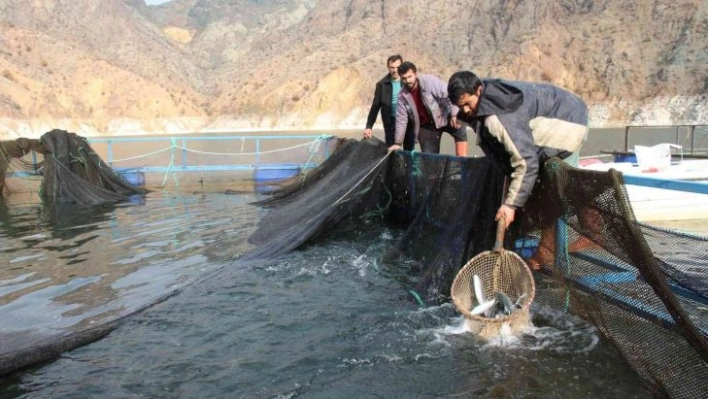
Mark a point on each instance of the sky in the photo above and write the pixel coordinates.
(155, 2)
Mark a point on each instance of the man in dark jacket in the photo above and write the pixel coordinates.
(520, 125)
(385, 99)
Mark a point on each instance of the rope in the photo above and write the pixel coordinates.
(142, 156)
(170, 166)
(175, 146)
(314, 148)
(380, 209)
(246, 153)
(417, 298)
(341, 199)
(415, 167)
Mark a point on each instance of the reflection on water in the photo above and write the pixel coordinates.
(67, 267)
(325, 321)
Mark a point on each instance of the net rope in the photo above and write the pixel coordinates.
(312, 145)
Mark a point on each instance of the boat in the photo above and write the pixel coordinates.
(664, 182)
(679, 192)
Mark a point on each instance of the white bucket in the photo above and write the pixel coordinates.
(655, 158)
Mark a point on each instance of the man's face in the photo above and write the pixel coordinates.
(468, 102)
(393, 69)
(410, 79)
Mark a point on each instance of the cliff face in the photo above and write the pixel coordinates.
(117, 66)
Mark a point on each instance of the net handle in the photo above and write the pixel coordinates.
(499, 241)
(501, 223)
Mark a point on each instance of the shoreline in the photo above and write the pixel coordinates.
(13, 128)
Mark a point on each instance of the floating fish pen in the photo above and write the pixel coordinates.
(645, 289)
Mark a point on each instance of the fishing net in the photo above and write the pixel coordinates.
(603, 268)
(596, 260)
(503, 274)
(347, 184)
(70, 170)
(15, 155)
(448, 220)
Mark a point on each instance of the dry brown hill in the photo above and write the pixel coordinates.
(119, 66)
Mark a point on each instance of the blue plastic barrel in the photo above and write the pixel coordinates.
(626, 157)
(526, 247)
(265, 175)
(133, 177)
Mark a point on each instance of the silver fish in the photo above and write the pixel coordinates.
(505, 301)
(478, 289)
(483, 307)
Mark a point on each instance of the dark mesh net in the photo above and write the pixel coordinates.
(347, 184)
(596, 260)
(450, 203)
(602, 267)
(73, 172)
(13, 154)
(433, 194)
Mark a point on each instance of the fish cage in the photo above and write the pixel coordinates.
(245, 163)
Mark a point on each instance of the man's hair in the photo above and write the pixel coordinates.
(394, 58)
(405, 67)
(462, 82)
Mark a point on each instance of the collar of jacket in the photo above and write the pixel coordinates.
(387, 78)
(421, 85)
(498, 97)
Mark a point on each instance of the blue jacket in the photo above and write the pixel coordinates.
(521, 125)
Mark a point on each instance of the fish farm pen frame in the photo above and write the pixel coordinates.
(183, 149)
(179, 150)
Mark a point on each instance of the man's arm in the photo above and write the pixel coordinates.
(447, 107)
(518, 142)
(401, 122)
(375, 107)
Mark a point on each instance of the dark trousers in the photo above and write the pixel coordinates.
(408, 140)
(429, 136)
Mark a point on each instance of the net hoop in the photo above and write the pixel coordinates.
(503, 271)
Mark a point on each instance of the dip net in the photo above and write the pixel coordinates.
(504, 276)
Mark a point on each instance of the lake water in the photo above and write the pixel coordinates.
(326, 321)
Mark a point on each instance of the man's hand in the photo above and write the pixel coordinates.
(454, 123)
(367, 133)
(507, 212)
(394, 147)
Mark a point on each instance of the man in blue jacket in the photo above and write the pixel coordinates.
(385, 100)
(520, 125)
(425, 105)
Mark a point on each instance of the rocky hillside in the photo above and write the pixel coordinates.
(119, 66)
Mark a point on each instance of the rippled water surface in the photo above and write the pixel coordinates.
(326, 321)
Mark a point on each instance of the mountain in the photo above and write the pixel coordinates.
(120, 66)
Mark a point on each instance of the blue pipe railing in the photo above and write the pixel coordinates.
(184, 161)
